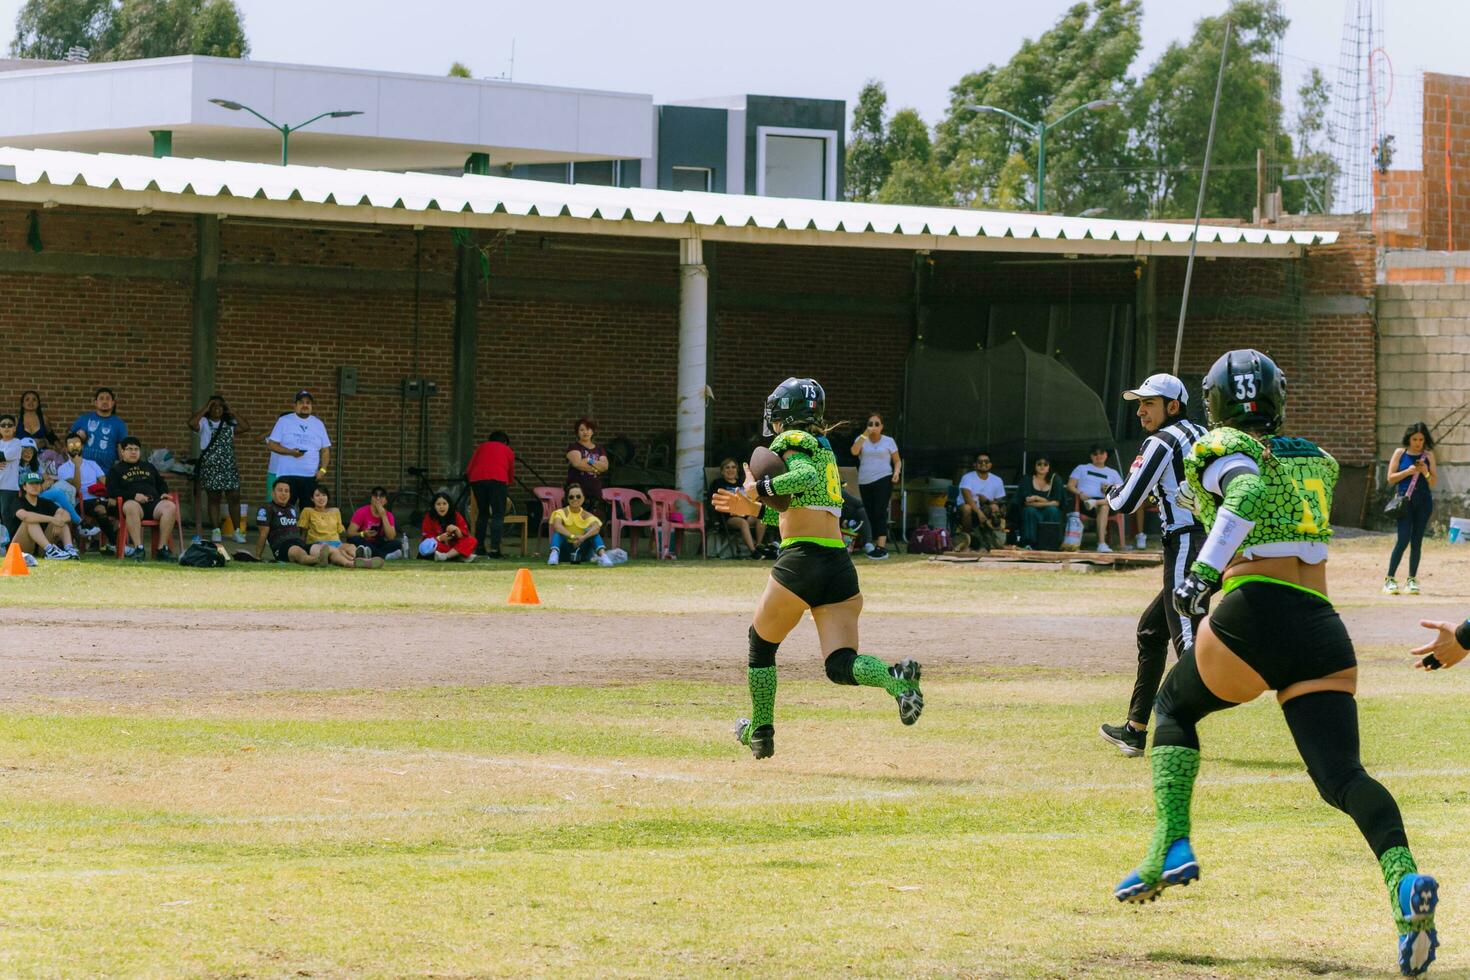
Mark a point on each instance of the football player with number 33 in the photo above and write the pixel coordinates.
(813, 571)
(1265, 500)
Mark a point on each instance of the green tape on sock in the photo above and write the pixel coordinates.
(762, 695)
(1395, 863)
(1174, 770)
(872, 672)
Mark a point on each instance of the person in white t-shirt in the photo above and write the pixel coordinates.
(1087, 482)
(300, 450)
(982, 504)
(878, 471)
(82, 474)
(9, 467)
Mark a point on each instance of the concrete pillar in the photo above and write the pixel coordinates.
(693, 384)
(204, 342)
(466, 351)
(163, 142)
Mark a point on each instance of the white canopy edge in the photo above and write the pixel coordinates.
(229, 188)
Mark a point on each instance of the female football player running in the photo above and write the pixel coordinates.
(813, 572)
(1265, 501)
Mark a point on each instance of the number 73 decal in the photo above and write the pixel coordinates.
(1306, 491)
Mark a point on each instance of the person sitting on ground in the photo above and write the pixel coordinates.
(321, 524)
(280, 526)
(982, 505)
(39, 526)
(446, 536)
(491, 471)
(750, 530)
(86, 478)
(1041, 495)
(1087, 483)
(373, 530)
(575, 527)
(141, 488)
(52, 489)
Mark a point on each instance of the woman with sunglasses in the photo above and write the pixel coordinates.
(575, 529)
(814, 571)
(879, 466)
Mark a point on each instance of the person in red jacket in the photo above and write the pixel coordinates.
(492, 467)
(446, 536)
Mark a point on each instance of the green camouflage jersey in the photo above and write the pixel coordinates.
(811, 475)
(1288, 500)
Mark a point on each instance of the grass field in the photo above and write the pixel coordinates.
(619, 830)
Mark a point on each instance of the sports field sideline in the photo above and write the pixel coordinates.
(268, 772)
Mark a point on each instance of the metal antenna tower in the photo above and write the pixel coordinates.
(1360, 92)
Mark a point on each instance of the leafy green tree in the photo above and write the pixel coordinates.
(51, 28)
(913, 175)
(217, 31)
(1084, 57)
(460, 70)
(1171, 114)
(867, 162)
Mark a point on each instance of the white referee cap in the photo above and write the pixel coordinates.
(1166, 385)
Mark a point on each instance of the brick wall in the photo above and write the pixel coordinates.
(1446, 99)
(1399, 207)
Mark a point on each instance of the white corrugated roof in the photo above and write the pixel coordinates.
(319, 193)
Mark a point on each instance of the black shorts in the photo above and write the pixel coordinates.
(148, 509)
(282, 549)
(818, 574)
(1285, 634)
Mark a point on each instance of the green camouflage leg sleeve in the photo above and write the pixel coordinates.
(872, 672)
(762, 695)
(1397, 862)
(1175, 768)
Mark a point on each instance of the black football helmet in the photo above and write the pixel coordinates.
(1246, 389)
(799, 401)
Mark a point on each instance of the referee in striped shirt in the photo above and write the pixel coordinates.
(1158, 472)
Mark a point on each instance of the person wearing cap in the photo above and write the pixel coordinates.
(38, 525)
(52, 489)
(300, 450)
(1158, 472)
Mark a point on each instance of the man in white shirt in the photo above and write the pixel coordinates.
(982, 504)
(300, 450)
(81, 474)
(1087, 482)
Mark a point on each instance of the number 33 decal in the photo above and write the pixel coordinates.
(1245, 387)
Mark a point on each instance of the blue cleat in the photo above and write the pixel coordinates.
(1180, 868)
(1418, 898)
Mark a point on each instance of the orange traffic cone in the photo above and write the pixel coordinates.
(523, 590)
(15, 562)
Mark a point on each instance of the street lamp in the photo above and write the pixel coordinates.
(285, 131)
(1040, 129)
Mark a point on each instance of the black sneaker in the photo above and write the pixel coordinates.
(911, 701)
(163, 554)
(877, 554)
(762, 741)
(1129, 740)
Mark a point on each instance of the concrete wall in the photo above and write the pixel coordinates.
(1423, 369)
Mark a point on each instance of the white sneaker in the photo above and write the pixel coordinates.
(1102, 548)
(470, 557)
(91, 532)
(239, 537)
(72, 552)
(30, 559)
(216, 536)
(442, 555)
(605, 561)
(554, 558)
(1140, 541)
(54, 553)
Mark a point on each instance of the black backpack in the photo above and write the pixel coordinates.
(202, 556)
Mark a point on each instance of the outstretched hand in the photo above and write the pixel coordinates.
(738, 504)
(1443, 651)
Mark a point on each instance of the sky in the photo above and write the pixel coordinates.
(673, 51)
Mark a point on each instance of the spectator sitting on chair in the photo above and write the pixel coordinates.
(751, 530)
(84, 476)
(142, 490)
(575, 527)
(105, 431)
(446, 536)
(586, 462)
(31, 420)
(217, 472)
(982, 504)
(1087, 482)
(300, 449)
(372, 528)
(1041, 500)
(280, 526)
(38, 525)
(9, 467)
(490, 472)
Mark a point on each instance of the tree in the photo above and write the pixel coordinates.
(867, 163)
(121, 30)
(1311, 193)
(1171, 114)
(460, 70)
(50, 28)
(913, 175)
(1084, 57)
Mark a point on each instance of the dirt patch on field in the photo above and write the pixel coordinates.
(150, 653)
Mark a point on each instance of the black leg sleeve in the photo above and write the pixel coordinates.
(1182, 702)
(1325, 727)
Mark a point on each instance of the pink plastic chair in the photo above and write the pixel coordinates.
(620, 500)
(666, 503)
(551, 499)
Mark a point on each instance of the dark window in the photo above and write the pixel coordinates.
(603, 173)
(693, 179)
